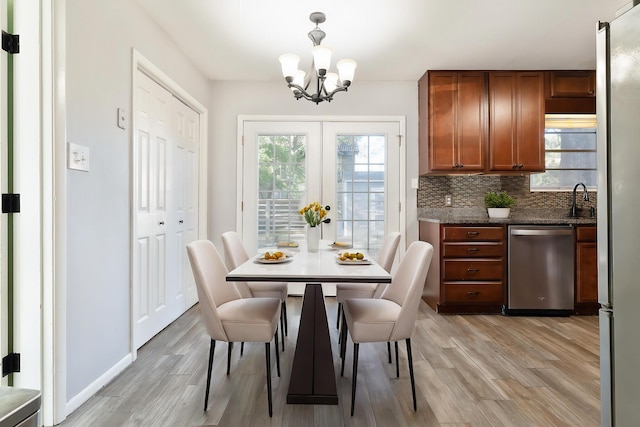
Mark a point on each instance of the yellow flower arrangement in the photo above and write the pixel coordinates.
(314, 214)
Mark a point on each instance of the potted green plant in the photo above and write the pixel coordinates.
(498, 204)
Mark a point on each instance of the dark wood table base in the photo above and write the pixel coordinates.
(313, 379)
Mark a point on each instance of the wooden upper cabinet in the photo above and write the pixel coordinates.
(516, 124)
(570, 92)
(571, 84)
(456, 122)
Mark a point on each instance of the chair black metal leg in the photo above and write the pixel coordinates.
(286, 323)
(281, 331)
(229, 349)
(354, 380)
(389, 350)
(397, 361)
(343, 345)
(212, 347)
(277, 353)
(268, 357)
(282, 319)
(338, 315)
(413, 382)
(241, 348)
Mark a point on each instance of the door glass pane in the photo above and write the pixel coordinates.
(281, 188)
(360, 185)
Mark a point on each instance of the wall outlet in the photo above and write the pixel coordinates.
(448, 201)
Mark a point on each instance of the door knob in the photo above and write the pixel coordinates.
(181, 222)
(161, 223)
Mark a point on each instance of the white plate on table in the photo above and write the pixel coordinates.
(363, 261)
(262, 260)
(341, 245)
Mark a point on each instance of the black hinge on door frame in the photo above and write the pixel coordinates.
(10, 203)
(10, 42)
(10, 364)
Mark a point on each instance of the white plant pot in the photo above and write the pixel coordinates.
(499, 212)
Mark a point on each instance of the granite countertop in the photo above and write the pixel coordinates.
(517, 216)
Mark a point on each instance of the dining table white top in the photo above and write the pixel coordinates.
(310, 267)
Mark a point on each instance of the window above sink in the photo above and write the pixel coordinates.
(570, 153)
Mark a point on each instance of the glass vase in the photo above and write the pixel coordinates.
(313, 239)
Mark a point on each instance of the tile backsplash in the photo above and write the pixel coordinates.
(469, 191)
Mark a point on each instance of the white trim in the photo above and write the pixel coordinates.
(60, 211)
(89, 391)
(142, 64)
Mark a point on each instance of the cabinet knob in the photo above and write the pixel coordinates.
(591, 92)
(520, 166)
(456, 166)
(515, 166)
(461, 165)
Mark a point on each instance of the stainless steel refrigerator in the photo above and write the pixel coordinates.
(618, 116)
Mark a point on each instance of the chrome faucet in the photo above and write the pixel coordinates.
(585, 197)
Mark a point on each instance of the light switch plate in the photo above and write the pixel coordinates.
(77, 157)
(122, 118)
(448, 200)
(414, 183)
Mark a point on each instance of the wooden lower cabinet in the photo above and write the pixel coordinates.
(467, 272)
(586, 278)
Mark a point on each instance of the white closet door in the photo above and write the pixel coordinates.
(184, 201)
(151, 145)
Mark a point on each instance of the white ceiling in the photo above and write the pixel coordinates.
(390, 39)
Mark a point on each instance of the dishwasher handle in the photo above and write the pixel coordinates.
(543, 232)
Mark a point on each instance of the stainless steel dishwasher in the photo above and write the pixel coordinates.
(541, 270)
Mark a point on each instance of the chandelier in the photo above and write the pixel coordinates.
(326, 84)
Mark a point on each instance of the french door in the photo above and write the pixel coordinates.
(352, 167)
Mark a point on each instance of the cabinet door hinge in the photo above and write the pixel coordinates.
(10, 203)
(399, 206)
(399, 140)
(10, 43)
(10, 364)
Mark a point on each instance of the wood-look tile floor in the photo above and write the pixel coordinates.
(472, 370)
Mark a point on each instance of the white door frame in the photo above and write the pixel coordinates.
(401, 120)
(140, 63)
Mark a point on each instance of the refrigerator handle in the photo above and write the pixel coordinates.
(603, 138)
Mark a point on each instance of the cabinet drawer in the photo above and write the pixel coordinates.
(586, 234)
(467, 234)
(476, 292)
(475, 250)
(473, 269)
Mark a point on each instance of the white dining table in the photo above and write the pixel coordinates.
(312, 372)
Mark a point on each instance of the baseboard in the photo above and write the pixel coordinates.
(79, 399)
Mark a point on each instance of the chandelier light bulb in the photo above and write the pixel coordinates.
(331, 82)
(289, 63)
(321, 59)
(346, 69)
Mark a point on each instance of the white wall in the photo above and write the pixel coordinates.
(100, 37)
(230, 99)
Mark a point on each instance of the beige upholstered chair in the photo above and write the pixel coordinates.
(227, 316)
(371, 290)
(392, 316)
(236, 254)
